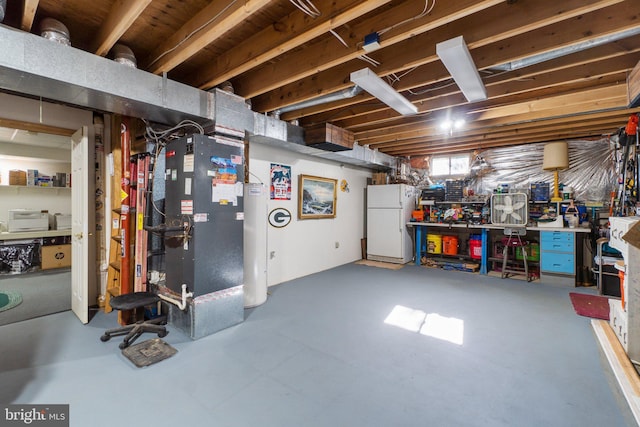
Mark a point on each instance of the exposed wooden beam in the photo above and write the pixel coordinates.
(503, 46)
(209, 24)
(29, 8)
(475, 131)
(513, 132)
(593, 98)
(501, 92)
(385, 117)
(328, 52)
(122, 15)
(534, 134)
(36, 127)
(288, 33)
(590, 63)
(610, 97)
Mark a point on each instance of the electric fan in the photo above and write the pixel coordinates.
(510, 209)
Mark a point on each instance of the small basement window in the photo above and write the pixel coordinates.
(450, 165)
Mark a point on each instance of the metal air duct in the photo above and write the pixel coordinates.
(330, 97)
(564, 51)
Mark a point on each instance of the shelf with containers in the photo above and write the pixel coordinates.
(437, 224)
(490, 235)
(449, 245)
(467, 211)
(35, 183)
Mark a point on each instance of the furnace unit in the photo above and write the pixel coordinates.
(204, 195)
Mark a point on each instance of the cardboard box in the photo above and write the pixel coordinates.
(56, 257)
(32, 177)
(379, 178)
(17, 177)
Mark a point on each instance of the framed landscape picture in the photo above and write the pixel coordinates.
(316, 197)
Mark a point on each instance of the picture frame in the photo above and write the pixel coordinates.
(316, 197)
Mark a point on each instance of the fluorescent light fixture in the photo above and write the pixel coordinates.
(455, 55)
(369, 81)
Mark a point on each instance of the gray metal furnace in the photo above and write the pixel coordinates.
(204, 195)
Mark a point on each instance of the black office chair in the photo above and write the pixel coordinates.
(136, 301)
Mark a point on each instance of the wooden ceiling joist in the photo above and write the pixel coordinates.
(420, 50)
(290, 32)
(123, 14)
(277, 55)
(29, 9)
(204, 28)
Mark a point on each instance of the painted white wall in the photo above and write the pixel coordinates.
(308, 246)
(35, 111)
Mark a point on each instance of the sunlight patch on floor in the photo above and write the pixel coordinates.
(434, 325)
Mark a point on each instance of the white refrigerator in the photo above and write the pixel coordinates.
(389, 208)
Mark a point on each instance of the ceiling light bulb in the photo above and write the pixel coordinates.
(446, 125)
(459, 123)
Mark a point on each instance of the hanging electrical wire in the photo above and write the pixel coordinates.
(160, 138)
(427, 10)
(369, 60)
(191, 34)
(431, 89)
(339, 38)
(307, 7)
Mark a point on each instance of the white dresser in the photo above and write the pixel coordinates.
(625, 321)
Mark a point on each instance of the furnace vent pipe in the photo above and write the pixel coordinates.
(3, 8)
(123, 55)
(54, 30)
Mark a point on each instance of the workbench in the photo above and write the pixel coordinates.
(560, 248)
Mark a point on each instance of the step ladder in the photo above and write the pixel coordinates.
(115, 252)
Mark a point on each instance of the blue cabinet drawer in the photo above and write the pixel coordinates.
(553, 262)
(557, 246)
(549, 237)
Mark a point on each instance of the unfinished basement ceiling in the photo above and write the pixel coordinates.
(276, 55)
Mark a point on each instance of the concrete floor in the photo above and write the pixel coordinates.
(319, 353)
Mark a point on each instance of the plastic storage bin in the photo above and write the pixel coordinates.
(434, 243)
(475, 246)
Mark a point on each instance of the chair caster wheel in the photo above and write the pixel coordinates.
(123, 345)
(105, 338)
(162, 334)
